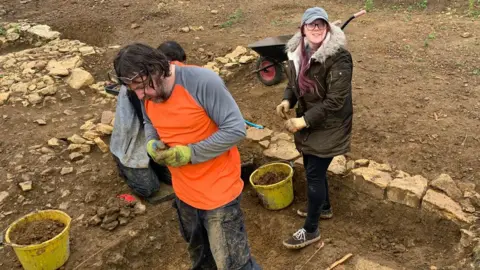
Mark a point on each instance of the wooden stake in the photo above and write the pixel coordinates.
(319, 246)
(342, 260)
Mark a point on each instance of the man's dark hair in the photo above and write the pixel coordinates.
(141, 59)
(173, 51)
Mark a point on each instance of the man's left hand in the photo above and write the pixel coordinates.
(295, 124)
(177, 156)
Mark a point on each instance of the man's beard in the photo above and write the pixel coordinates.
(162, 94)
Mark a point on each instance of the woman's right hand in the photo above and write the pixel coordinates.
(282, 109)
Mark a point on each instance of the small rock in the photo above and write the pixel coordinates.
(101, 144)
(185, 29)
(40, 122)
(338, 165)
(122, 220)
(48, 91)
(44, 159)
(246, 59)
(378, 166)
(54, 142)
(34, 98)
(264, 144)
(283, 150)
(109, 226)
(134, 26)
(139, 208)
(107, 117)
(467, 206)
(370, 181)
(401, 174)
(91, 135)
(66, 170)
(361, 163)
(4, 98)
(76, 139)
(65, 193)
(408, 191)
(87, 50)
(104, 129)
(124, 212)
(46, 150)
(255, 134)
(446, 184)
(350, 165)
(32, 87)
(63, 206)
(82, 148)
(101, 212)
(437, 202)
(95, 220)
(43, 31)
(214, 11)
(80, 78)
(90, 197)
(69, 112)
(75, 156)
(467, 237)
(466, 35)
(3, 196)
(47, 171)
(110, 217)
(281, 136)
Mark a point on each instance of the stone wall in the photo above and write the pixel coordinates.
(441, 197)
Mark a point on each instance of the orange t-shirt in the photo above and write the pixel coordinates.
(202, 114)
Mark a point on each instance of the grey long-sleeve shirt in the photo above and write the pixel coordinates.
(210, 93)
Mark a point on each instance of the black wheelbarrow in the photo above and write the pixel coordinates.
(270, 64)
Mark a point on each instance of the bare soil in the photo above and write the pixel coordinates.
(270, 178)
(36, 232)
(416, 90)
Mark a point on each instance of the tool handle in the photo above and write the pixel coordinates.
(360, 13)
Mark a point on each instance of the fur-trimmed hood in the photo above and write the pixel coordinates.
(334, 41)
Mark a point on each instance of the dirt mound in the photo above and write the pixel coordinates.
(36, 232)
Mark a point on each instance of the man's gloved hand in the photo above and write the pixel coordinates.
(155, 149)
(295, 124)
(177, 156)
(282, 109)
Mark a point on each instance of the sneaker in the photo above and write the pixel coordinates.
(324, 214)
(301, 239)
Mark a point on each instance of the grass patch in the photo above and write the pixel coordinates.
(476, 72)
(430, 36)
(369, 5)
(3, 32)
(233, 19)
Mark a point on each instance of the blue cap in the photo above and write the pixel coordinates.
(313, 14)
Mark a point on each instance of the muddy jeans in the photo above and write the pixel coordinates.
(216, 238)
(144, 182)
(317, 189)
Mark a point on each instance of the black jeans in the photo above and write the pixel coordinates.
(146, 181)
(216, 238)
(317, 191)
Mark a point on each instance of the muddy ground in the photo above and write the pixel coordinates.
(416, 89)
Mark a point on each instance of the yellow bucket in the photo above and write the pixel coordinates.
(51, 254)
(278, 195)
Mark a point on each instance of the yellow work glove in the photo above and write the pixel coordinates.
(155, 148)
(282, 109)
(295, 124)
(177, 156)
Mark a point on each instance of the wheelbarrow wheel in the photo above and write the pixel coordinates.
(271, 75)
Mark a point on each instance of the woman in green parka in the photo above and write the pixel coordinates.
(320, 84)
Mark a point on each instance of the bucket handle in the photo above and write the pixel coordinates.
(2, 240)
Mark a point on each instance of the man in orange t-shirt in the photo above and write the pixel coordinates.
(192, 125)
(174, 52)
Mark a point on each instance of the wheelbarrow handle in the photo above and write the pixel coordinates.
(356, 15)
